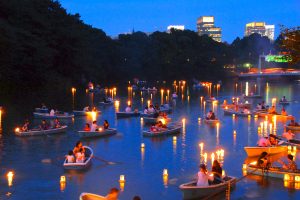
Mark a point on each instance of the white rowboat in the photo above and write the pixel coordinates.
(102, 133)
(37, 132)
(256, 151)
(163, 132)
(81, 166)
(90, 196)
(56, 116)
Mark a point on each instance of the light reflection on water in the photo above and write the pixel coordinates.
(143, 167)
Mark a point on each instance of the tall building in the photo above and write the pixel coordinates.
(260, 28)
(175, 27)
(206, 26)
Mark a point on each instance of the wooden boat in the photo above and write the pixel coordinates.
(256, 151)
(90, 196)
(38, 132)
(41, 110)
(293, 128)
(254, 96)
(81, 166)
(56, 116)
(127, 114)
(100, 133)
(151, 120)
(278, 116)
(236, 113)
(211, 121)
(78, 113)
(275, 172)
(173, 129)
(192, 191)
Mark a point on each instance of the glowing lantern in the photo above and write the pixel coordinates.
(117, 103)
(205, 157)
(17, 130)
(142, 145)
(244, 166)
(199, 119)
(165, 172)
(10, 177)
(212, 158)
(233, 115)
(122, 179)
(223, 173)
(297, 178)
(128, 103)
(62, 179)
(234, 132)
(286, 177)
(174, 138)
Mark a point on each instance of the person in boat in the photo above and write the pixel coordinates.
(146, 110)
(86, 109)
(153, 128)
(157, 108)
(44, 125)
(94, 126)
(80, 157)
(209, 114)
(113, 194)
(263, 105)
(263, 142)
(56, 123)
(77, 147)
(87, 127)
(217, 172)
(273, 140)
(263, 160)
(203, 176)
(272, 110)
(174, 95)
(283, 112)
(70, 157)
(288, 135)
(283, 99)
(105, 124)
(128, 109)
(213, 116)
(52, 112)
(25, 127)
(259, 106)
(151, 109)
(293, 123)
(246, 110)
(291, 165)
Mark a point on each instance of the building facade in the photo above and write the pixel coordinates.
(206, 26)
(260, 28)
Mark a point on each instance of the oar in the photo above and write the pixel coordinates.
(105, 161)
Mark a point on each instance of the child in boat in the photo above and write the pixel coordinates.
(291, 165)
(94, 126)
(80, 157)
(70, 157)
(263, 161)
(105, 124)
(87, 127)
(25, 127)
(203, 176)
(128, 109)
(217, 171)
(146, 110)
(77, 147)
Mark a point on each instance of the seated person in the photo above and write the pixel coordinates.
(56, 123)
(70, 157)
(203, 176)
(273, 140)
(263, 105)
(263, 142)
(263, 160)
(288, 135)
(272, 110)
(77, 147)
(157, 108)
(80, 157)
(86, 109)
(94, 126)
(283, 99)
(25, 127)
(213, 116)
(52, 112)
(208, 115)
(283, 112)
(151, 109)
(87, 127)
(291, 165)
(217, 171)
(105, 124)
(259, 107)
(146, 110)
(153, 128)
(128, 109)
(293, 123)
(44, 125)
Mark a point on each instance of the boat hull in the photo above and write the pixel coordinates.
(191, 191)
(47, 116)
(212, 122)
(127, 115)
(293, 128)
(80, 166)
(78, 113)
(103, 133)
(90, 196)
(231, 112)
(42, 132)
(256, 151)
(170, 131)
(274, 172)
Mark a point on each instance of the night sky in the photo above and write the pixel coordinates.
(121, 16)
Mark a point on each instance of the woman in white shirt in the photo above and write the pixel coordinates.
(128, 109)
(80, 157)
(94, 126)
(203, 176)
(70, 157)
(146, 110)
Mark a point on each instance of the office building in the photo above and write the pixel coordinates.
(206, 26)
(260, 28)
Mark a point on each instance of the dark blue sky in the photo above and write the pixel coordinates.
(120, 16)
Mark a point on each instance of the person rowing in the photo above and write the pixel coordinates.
(283, 99)
(293, 123)
(288, 135)
(291, 165)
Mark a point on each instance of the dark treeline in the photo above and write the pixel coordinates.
(43, 47)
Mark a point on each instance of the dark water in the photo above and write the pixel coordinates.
(142, 168)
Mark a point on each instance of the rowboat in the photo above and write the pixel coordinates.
(127, 114)
(254, 96)
(275, 172)
(41, 110)
(38, 132)
(241, 114)
(81, 166)
(284, 102)
(148, 114)
(211, 100)
(292, 142)
(233, 106)
(78, 113)
(90, 196)
(278, 116)
(165, 109)
(56, 116)
(293, 128)
(192, 191)
(211, 121)
(256, 151)
(164, 132)
(106, 103)
(149, 89)
(100, 133)
(152, 120)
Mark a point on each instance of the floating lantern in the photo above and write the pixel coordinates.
(62, 179)
(233, 115)
(128, 103)
(286, 177)
(222, 153)
(234, 132)
(122, 179)
(223, 173)
(117, 103)
(10, 177)
(255, 116)
(201, 145)
(174, 138)
(17, 130)
(199, 119)
(183, 120)
(165, 172)
(297, 178)
(73, 90)
(143, 145)
(148, 102)
(294, 148)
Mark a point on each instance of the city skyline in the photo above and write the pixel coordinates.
(116, 16)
